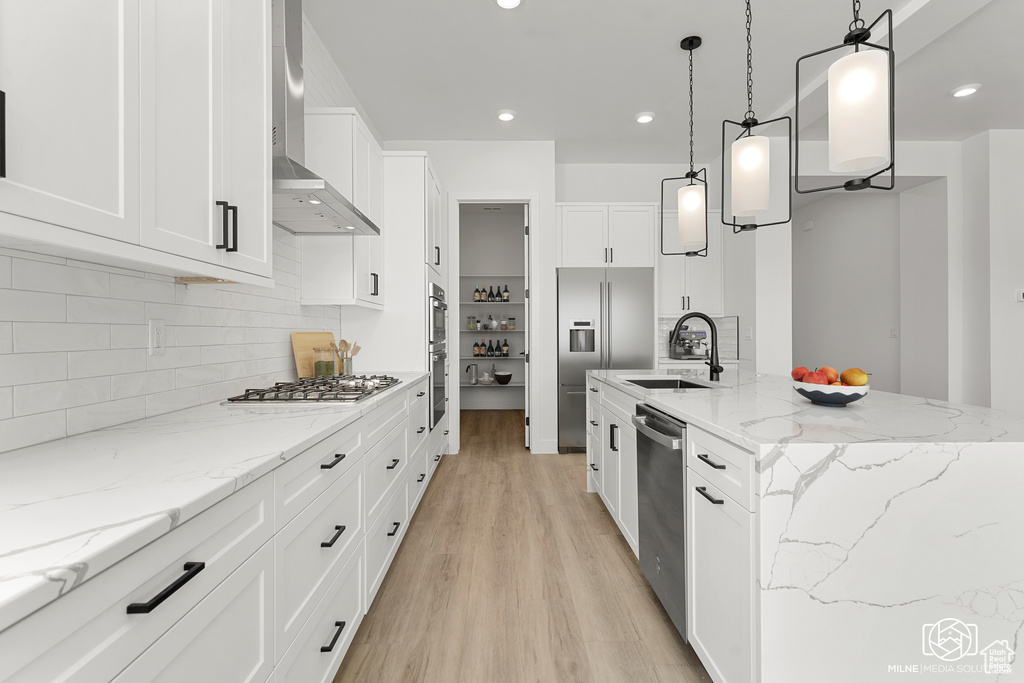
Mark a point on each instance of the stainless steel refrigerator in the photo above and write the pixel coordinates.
(605, 321)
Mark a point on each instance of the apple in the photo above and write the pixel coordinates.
(814, 378)
(798, 373)
(830, 374)
(855, 377)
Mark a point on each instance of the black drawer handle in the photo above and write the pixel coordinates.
(593, 467)
(224, 221)
(421, 430)
(395, 530)
(394, 464)
(330, 465)
(702, 490)
(334, 640)
(234, 229)
(422, 477)
(594, 389)
(340, 529)
(437, 256)
(376, 285)
(3, 135)
(593, 423)
(446, 432)
(708, 461)
(192, 569)
(422, 393)
(437, 457)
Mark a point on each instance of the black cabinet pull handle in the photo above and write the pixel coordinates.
(3, 134)
(421, 430)
(437, 457)
(191, 570)
(611, 437)
(422, 477)
(340, 529)
(376, 284)
(594, 389)
(422, 393)
(395, 530)
(593, 423)
(331, 465)
(611, 255)
(437, 256)
(334, 640)
(606, 254)
(708, 461)
(593, 467)
(702, 490)
(234, 228)
(446, 432)
(394, 464)
(224, 222)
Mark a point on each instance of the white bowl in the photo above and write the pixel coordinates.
(829, 395)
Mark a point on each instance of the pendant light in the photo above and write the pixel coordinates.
(749, 166)
(861, 108)
(692, 196)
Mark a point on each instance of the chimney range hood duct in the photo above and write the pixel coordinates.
(304, 203)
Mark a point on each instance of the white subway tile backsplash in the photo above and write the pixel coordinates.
(269, 366)
(176, 357)
(245, 368)
(31, 255)
(58, 278)
(129, 336)
(198, 375)
(107, 269)
(29, 368)
(6, 337)
(19, 432)
(141, 383)
(42, 337)
(221, 317)
(109, 362)
(18, 305)
(255, 319)
(30, 399)
(169, 401)
(100, 415)
(172, 314)
(84, 309)
(142, 289)
(198, 336)
(5, 271)
(6, 403)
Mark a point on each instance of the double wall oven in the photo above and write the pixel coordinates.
(437, 317)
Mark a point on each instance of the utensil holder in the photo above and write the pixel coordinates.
(346, 366)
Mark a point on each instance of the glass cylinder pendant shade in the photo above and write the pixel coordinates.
(751, 178)
(858, 112)
(693, 215)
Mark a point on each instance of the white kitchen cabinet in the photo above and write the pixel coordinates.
(611, 447)
(720, 581)
(610, 438)
(342, 271)
(607, 235)
(228, 637)
(436, 233)
(205, 114)
(72, 110)
(629, 514)
(691, 283)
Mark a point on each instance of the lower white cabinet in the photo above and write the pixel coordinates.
(629, 515)
(610, 433)
(226, 638)
(382, 539)
(611, 458)
(418, 477)
(720, 575)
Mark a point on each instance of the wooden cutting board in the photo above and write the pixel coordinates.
(303, 344)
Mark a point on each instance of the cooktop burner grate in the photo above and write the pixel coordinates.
(336, 389)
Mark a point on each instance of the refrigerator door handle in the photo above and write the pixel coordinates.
(608, 324)
(601, 331)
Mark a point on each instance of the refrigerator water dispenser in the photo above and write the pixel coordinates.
(581, 336)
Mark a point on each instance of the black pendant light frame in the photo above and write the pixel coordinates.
(858, 36)
(747, 127)
(690, 43)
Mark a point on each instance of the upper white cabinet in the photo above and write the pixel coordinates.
(345, 270)
(691, 283)
(122, 138)
(205, 109)
(437, 234)
(72, 110)
(607, 235)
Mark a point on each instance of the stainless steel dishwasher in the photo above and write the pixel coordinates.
(661, 471)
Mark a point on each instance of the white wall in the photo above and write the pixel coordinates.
(924, 310)
(846, 286)
(1006, 234)
(976, 331)
(509, 171)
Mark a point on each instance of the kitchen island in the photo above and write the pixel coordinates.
(883, 539)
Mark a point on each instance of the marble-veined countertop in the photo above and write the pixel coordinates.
(73, 507)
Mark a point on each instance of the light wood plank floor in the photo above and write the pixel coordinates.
(511, 571)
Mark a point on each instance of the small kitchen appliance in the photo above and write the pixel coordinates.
(686, 344)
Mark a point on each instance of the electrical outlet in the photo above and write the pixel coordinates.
(157, 338)
(750, 333)
(894, 333)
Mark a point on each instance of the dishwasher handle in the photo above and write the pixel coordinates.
(640, 422)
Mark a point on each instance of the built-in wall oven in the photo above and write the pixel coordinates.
(438, 373)
(437, 314)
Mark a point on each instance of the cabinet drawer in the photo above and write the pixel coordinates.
(88, 635)
(593, 415)
(382, 539)
(434, 458)
(418, 478)
(419, 418)
(620, 404)
(305, 566)
(298, 482)
(385, 465)
(384, 417)
(725, 465)
(228, 636)
(305, 661)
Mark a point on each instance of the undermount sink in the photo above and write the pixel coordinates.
(666, 383)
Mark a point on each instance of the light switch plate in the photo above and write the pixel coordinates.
(1020, 296)
(894, 333)
(750, 333)
(157, 338)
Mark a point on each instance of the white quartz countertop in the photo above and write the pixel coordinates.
(755, 411)
(73, 507)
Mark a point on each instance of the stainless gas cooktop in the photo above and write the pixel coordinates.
(336, 389)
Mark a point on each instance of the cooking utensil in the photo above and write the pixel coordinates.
(343, 346)
(356, 348)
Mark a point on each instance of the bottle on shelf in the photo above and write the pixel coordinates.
(490, 350)
(505, 296)
(476, 295)
(476, 348)
(504, 349)
(490, 294)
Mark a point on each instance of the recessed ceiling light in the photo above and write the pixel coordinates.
(645, 117)
(314, 201)
(965, 90)
(350, 227)
(508, 4)
(506, 115)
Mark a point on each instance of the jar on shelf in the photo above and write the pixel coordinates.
(323, 362)
(504, 324)
(511, 323)
(470, 322)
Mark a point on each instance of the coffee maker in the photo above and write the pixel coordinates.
(687, 344)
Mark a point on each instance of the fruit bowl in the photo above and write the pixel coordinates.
(503, 377)
(829, 395)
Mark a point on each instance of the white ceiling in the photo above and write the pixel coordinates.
(577, 72)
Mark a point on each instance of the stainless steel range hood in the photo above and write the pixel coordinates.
(304, 203)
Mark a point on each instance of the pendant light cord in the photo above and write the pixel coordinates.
(691, 111)
(857, 21)
(750, 68)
